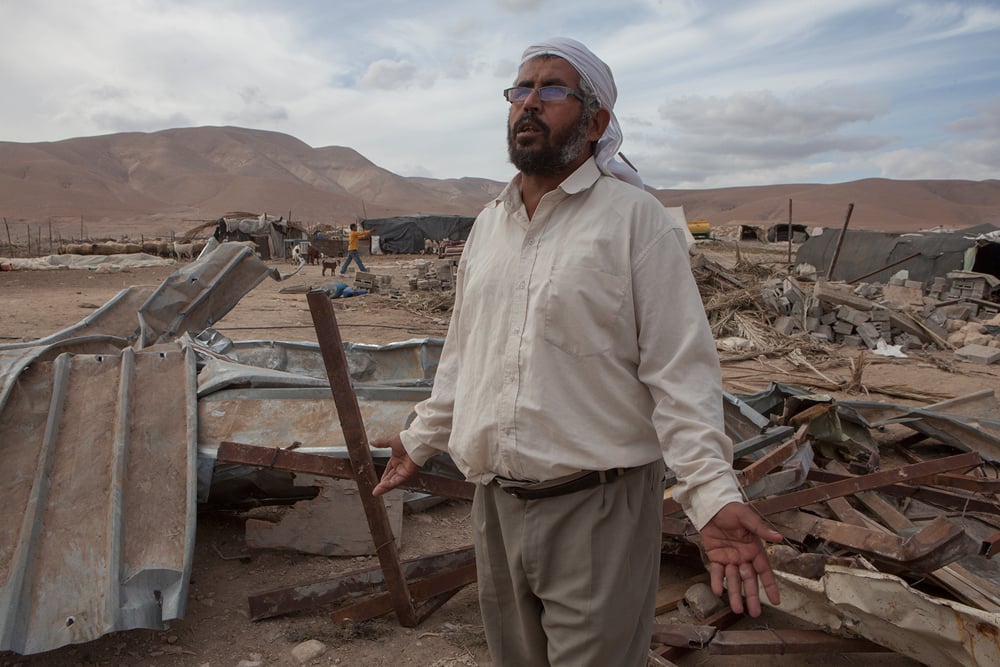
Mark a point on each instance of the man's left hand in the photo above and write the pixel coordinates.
(732, 543)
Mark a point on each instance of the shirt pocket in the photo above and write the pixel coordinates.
(582, 309)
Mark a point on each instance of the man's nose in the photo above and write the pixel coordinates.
(533, 100)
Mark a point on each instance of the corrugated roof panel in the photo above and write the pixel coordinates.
(99, 457)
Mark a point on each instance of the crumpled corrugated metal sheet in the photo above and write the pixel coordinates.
(98, 443)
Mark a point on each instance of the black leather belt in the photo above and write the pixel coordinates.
(560, 486)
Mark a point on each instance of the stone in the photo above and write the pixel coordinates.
(702, 601)
(308, 650)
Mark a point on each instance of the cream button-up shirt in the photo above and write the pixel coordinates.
(579, 341)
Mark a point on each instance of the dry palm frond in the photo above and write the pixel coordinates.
(855, 384)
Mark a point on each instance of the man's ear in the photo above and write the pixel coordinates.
(598, 124)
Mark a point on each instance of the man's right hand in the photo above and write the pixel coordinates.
(399, 468)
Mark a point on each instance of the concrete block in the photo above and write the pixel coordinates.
(843, 328)
(855, 317)
(978, 354)
(852, 341)
(879, 314)
(785, 325)
(869, 334)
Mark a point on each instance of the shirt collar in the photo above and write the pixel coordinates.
(583, 178)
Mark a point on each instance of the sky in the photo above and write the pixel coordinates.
(711, 93)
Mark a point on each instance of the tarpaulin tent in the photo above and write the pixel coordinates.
(927, 255)
(406, 234)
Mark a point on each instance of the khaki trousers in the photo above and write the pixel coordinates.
(570, 581)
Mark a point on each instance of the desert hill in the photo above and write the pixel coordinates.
(158, 182)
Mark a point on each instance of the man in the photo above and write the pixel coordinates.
(578, 360)
(352, 248)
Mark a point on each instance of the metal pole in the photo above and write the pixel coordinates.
(789, 232)
(887, 266)
(840, 241)
(332, 349)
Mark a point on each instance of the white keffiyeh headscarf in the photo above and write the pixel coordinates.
(597, 75)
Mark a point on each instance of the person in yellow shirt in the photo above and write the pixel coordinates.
(352, 248)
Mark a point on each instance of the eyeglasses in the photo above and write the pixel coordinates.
(518, 94)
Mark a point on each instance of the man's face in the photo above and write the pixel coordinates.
(549, 138)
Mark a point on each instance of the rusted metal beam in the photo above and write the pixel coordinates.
(352, 585)
(875, 480)
(773, 458)
(329, 466)
(432, 591)
(332, 350)
(947, 499)
(965, 483)
(935, 545)
(784, 642)
(683, 636)
(990, 545)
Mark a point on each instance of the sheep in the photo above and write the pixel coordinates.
(183, 250)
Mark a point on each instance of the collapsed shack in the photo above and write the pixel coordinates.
(885, 508)
(876, 256)
(271, 235)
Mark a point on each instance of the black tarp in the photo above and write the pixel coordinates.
(863, 252)
(406, 234)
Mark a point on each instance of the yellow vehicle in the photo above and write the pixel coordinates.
(700, 229)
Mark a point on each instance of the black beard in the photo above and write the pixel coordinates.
(554, 156)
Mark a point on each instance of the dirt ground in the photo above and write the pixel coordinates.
(216, 630)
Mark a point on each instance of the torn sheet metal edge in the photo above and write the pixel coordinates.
(13, 361)
(416, 364)
(127, 301)
(884, 609)
(201, 293)
(966, 433)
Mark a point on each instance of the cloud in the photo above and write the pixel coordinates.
(257, 108)
(517, 6)
(708, 94)
(389, 75)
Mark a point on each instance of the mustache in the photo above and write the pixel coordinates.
(529, 118)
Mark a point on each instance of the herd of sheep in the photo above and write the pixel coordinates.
(156, 247)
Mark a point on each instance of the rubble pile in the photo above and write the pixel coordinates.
(890, 520)
(951, 314)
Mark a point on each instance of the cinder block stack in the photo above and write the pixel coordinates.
(374, 283)
(431, 275)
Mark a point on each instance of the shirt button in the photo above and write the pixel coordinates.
(520, 285)
(516, 330)
(530, 241)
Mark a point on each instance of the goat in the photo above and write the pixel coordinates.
(313, 256)
(331, 264)
(296, 254)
